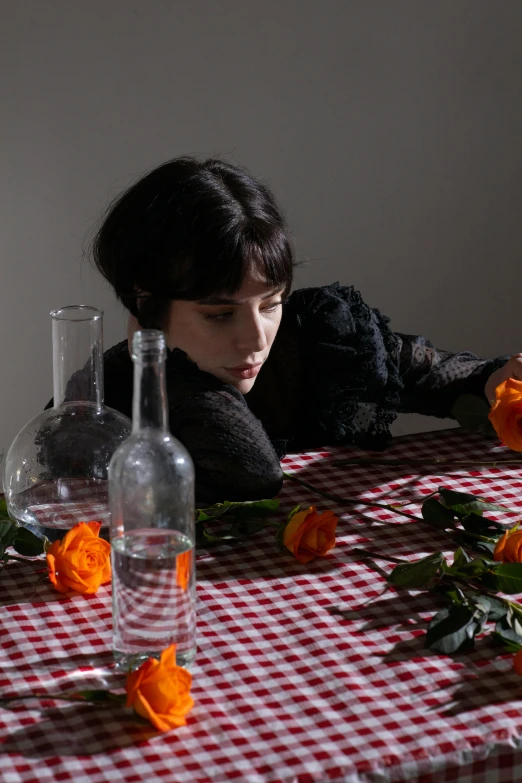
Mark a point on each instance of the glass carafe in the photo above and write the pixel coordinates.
(56, 469)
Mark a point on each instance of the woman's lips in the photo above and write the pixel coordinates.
(246, 371)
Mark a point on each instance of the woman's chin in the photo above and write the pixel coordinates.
(243, 385)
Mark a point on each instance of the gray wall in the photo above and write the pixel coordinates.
(389, 129)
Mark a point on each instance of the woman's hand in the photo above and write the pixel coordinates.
(511, 369)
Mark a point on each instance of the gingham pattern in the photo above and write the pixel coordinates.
(86, 502)
(305, 674)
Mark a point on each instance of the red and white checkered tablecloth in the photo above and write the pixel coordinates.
(80, 501)
(305, 674)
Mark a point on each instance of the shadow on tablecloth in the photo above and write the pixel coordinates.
(53, 666)
(27, 583)
(391, 609)
(77, 730)
(489, 687)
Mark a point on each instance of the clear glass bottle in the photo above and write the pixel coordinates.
(151, 495)
(56, 469)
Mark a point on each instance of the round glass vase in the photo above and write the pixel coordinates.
(56, 469)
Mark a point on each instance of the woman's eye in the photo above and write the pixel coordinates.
(272, 308)
(218, 316)
(230, 314)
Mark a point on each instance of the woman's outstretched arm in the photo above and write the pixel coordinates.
(433, 378)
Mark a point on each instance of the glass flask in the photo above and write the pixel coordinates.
(151, 495)
(56, 469)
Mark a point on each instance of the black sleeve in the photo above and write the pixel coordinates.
(232, 454)
(433, 379)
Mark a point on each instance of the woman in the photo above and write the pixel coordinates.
(200, 250)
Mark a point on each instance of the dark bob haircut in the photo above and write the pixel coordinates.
(188, 230)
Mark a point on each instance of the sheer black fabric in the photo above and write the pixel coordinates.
(336, 374)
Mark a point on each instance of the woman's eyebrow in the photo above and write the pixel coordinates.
(218, 300)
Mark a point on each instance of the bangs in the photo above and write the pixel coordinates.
(214, 270)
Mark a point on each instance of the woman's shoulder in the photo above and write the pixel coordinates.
(315, 298)
(349, 357)
(332, 308)
(118, 354)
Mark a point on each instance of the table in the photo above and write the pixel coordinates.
(305, 674)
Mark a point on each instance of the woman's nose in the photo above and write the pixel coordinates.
(251, 337)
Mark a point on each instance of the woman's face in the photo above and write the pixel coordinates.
(229, 337)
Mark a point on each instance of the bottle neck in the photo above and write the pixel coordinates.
(77, 355)
(149, 405)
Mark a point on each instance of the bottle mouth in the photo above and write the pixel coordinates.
(77, 313)
(148, 342)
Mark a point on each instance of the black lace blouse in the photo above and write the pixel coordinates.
(336, 374)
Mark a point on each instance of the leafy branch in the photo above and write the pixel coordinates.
(470, 586)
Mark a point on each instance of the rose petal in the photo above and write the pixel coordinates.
(134, 680)
(498, 554)
(512, 547)
(95, 528)
(293, 531)
(143, 708)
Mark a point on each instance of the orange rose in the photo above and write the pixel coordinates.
(81, 561)
(506, 413)
(160, 691)
(509, 548)
(309, 534)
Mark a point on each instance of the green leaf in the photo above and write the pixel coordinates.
(507, 633)
(460, 558)
(484, 526)
(514, 619)
(469, 569)
(504, 578)
(419, 573)
(463, 503)
(436, 513)
(483, 547)
(243, 509)
(27, 544)
(8, 532)
(454, 593)
(471, 412)
(453, 629)
(3, 508)
(501, 639)
(493, 607)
